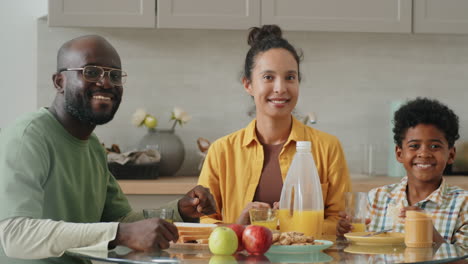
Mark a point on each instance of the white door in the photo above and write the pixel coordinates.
(102, 13)
(440, 16)
(339, 15)
(208, 14)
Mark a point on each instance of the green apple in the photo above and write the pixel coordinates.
(223, 241)
(151, 121)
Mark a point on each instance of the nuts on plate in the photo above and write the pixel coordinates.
(293, 238)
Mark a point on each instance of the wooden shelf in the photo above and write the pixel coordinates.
(183, 184)
(162, 185)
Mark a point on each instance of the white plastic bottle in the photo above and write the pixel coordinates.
(301, 202)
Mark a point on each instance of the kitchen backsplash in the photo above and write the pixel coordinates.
(350, 80)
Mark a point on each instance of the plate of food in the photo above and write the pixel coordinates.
(388, 238)
(296, 242)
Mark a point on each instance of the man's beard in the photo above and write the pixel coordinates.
(80, 107)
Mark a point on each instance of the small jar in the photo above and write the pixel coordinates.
(418, 229)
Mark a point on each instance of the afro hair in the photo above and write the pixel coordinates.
(425, 111)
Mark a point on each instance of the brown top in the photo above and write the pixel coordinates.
(270, 184)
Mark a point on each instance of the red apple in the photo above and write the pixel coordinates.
(240, 257)
(239, 229)
(257, 239)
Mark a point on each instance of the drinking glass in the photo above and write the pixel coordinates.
(163, 213)
(356, 208)
(266, 217)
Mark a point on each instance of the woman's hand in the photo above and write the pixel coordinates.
(276, 205)
(244, 218)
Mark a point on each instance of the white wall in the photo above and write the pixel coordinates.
(18, 54)
(350, 81)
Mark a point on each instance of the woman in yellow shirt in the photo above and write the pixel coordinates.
(246, 169)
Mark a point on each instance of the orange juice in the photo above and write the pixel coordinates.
(268, 224)
(359, 227)
(308, 222)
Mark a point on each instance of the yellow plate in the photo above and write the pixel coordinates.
(389, 238)
(381, 249)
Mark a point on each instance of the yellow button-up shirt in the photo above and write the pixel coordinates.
(234, 164)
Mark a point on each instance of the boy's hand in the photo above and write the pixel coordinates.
(408, 208)
(344, 224)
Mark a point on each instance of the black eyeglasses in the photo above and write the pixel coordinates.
(96, 73)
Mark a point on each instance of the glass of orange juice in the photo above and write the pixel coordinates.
(356, 208)
(266, 217)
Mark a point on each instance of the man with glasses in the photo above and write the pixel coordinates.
(56, 192)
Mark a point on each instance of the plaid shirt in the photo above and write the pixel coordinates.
(448, 206)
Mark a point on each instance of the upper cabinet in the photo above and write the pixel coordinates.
(307, 15)
(102, 13)
(398, 16)
(339, 15)
(440, 16)
(208, 14)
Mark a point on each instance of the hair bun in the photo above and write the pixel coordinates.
(265, 32)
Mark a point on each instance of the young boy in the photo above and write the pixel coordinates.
(425, 131)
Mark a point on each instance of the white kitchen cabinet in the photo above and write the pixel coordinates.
(102, 13)
(440, 16)
(208, 14)
(339, 15)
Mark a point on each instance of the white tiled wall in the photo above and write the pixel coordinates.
(18, 20)
(349, 80)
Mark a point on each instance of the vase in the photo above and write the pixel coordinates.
(170, 147)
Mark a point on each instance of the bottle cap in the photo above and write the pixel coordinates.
(303, 145)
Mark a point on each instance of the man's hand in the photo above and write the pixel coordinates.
(146, 235)
(244, 218)
(195, 203)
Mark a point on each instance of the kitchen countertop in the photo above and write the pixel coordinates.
(182, 184)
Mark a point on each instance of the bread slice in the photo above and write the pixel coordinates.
(190, 232)
(194, 233)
